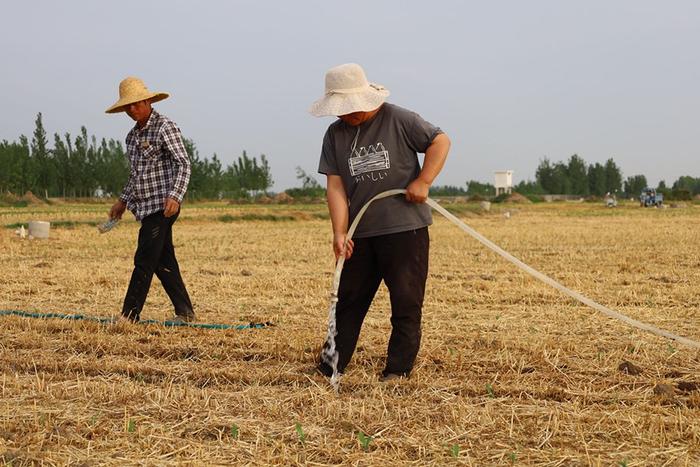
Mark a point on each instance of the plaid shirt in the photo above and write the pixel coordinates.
(159, 166)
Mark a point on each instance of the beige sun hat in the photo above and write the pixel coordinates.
(348, 91)
(134, 90)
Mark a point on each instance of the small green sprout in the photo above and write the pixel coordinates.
(364, 440)
(300, 432)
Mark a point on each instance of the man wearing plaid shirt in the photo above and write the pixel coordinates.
(158, 177)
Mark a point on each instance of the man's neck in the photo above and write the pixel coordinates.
(142, 123)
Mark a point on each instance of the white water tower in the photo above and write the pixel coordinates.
(504, 181)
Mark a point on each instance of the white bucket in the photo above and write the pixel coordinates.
(39, 229)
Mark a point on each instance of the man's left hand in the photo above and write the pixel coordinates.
(417, 191)
(170, 207)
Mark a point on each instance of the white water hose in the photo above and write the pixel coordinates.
(330, 354)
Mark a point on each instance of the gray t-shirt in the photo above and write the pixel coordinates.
(379, 155)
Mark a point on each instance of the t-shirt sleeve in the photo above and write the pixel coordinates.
(328, 165)
(420, 133)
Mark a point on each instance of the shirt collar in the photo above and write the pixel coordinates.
(151, 119)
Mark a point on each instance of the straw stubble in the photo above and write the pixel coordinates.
(509, 371)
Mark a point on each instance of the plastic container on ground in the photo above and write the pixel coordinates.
(39, 229)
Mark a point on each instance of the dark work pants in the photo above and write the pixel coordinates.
(401, 260)
(155, 254)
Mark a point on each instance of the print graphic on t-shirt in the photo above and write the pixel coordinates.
(364, 160)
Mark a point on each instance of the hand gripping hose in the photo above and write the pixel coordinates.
(330, 354)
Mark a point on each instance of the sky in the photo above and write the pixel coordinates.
(510, 82)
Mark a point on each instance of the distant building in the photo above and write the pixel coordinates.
(504, 181)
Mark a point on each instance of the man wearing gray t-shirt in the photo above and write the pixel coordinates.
(373, 148)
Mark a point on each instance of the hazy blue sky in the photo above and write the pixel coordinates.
(509, 81)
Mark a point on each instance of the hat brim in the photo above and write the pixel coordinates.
(337, 104)
(120, 105)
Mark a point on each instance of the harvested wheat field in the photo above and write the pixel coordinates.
(510, 372)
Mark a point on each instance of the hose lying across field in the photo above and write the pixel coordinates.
(28, 314)
(330, 355)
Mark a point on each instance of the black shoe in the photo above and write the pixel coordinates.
(133, 317)
(326, 370)
(387, 376)
(182, 319)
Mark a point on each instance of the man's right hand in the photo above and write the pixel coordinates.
(339, 245)
(117, 210)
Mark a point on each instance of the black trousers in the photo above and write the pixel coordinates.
(401, 260)
(155, 254)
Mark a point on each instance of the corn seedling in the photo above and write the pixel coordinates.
(489, 390)
(300, 432)
(364, 440)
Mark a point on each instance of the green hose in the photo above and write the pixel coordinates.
(166, 323)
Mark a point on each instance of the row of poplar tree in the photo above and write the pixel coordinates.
(80, 166)
(576, 177)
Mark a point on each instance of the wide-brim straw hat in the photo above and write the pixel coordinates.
(348, 91)
(134, 90)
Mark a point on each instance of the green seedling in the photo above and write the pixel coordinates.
(300, 432)
(454, 450)
(513, 457)
(234, 431)
(489, 390)
(623, 463)
(364, 440)
(131, 426)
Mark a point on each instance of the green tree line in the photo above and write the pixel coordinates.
(79, 166)
(74, 166)
(576, 177)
